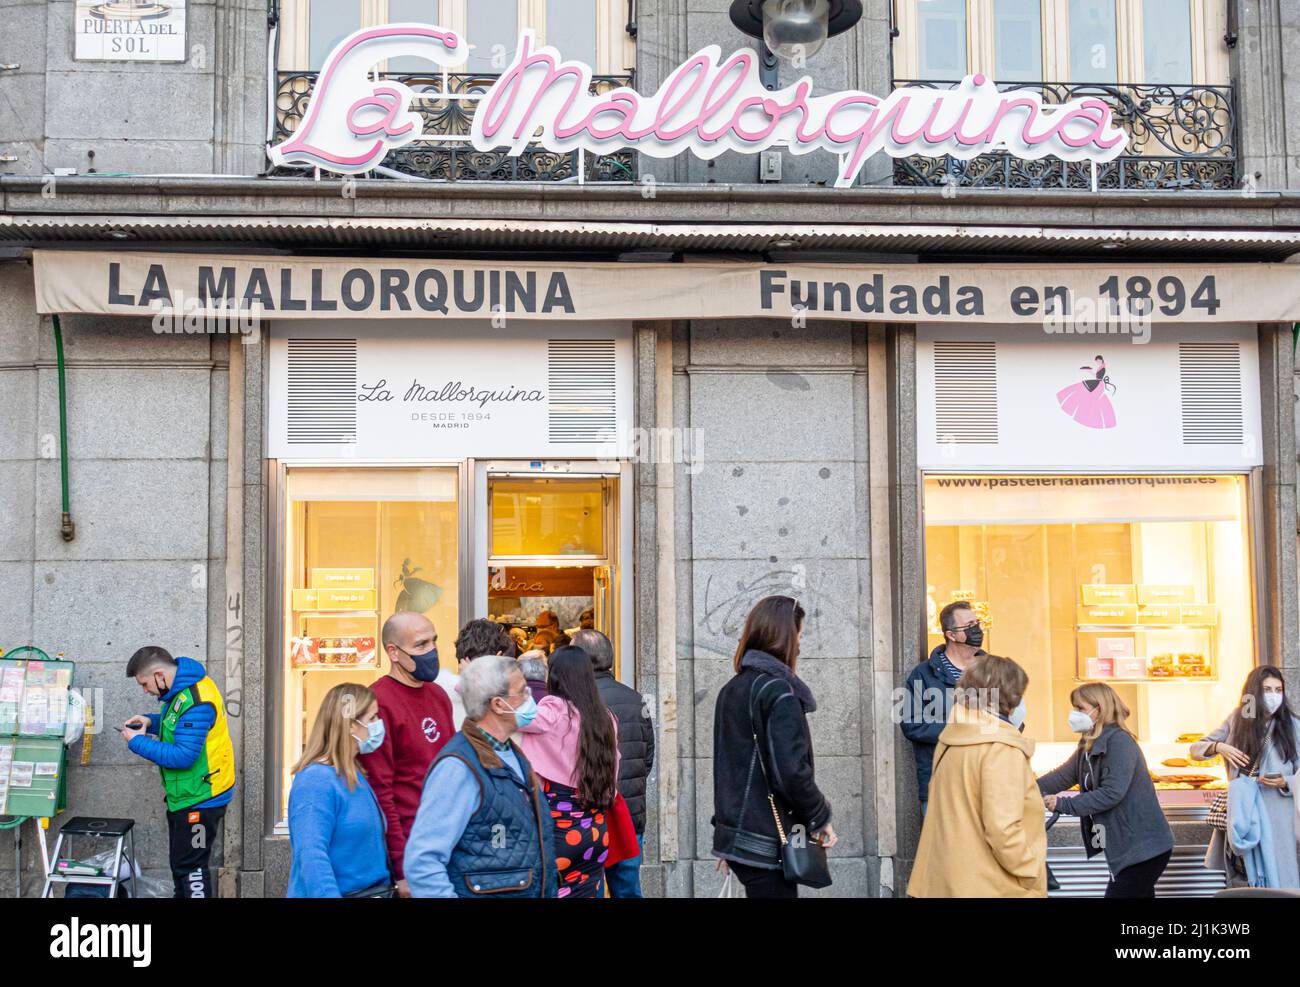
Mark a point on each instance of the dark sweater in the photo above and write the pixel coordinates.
(1117, 804)
(636, 743)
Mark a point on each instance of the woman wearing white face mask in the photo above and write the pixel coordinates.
(1259, 740)
(1116, 804)
(336, 831)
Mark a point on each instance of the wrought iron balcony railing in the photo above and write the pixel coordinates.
(1180, 137)
(447, 101)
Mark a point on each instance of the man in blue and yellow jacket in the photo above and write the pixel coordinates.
(191, 746)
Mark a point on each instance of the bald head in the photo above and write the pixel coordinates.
(412, 633)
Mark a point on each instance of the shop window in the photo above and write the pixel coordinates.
(1142, 582)
(548, 517)
(360, 545)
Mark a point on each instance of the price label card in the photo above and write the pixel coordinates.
(1119, 614)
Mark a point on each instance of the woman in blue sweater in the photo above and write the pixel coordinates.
(336, 831)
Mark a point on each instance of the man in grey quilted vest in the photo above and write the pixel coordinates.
(483, 827)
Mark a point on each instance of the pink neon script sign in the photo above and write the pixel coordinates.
(707, 106)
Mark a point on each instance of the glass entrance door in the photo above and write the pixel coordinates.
(550, 560)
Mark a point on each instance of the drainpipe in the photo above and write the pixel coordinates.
(67, 529)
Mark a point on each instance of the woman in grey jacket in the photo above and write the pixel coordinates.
(1117, 803)
(1260, 737)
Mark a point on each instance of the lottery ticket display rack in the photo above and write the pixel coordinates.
(33, 759)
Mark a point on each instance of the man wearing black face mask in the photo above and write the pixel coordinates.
(928, 694)
(417, 725)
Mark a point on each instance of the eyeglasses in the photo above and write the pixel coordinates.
(968, 627)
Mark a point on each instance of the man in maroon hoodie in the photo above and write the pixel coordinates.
(417, 724)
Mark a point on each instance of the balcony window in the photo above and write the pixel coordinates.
(328, 26)
(1162, 65)
(1093, 48)
(1017, 40)
(416, 12)
(571, 29)
(1166, 42)
(941, 26)
(591, 31)
(492, 27)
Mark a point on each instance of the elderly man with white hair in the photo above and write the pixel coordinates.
(483, 826)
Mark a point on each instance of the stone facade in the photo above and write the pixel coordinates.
(806, 482)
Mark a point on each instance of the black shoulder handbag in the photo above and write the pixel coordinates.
(802, 863)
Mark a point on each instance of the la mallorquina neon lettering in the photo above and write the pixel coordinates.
(707, 106)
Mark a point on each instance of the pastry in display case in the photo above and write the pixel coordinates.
(1191, 780)
(1153, 615)
(336, 620)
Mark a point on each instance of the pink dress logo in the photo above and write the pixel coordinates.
(1087, 401)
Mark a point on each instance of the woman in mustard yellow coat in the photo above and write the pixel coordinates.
(983, 836)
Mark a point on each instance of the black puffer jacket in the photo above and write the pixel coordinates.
(636, 743)
(743, 827)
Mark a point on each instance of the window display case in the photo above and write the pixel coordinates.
(1142, 582)
(361, 544)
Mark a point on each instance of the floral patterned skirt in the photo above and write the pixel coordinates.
(581, 842)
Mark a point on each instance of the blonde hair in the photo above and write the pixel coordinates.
(1110, 709)
(992, 679)
(331, 741)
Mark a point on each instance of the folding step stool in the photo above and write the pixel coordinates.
(121, 830)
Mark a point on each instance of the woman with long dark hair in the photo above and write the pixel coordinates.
(761, 748)
(572, 744)
(1258, 740)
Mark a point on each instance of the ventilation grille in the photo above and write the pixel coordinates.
(322, 392)
(1210, 378)
(1185, 876)
(580, 379)
(965, 393)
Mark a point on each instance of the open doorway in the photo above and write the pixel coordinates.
(551, 558)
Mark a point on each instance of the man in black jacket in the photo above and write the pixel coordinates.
(928, 695)
(636, 748)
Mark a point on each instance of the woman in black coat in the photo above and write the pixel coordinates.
(766, 701)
